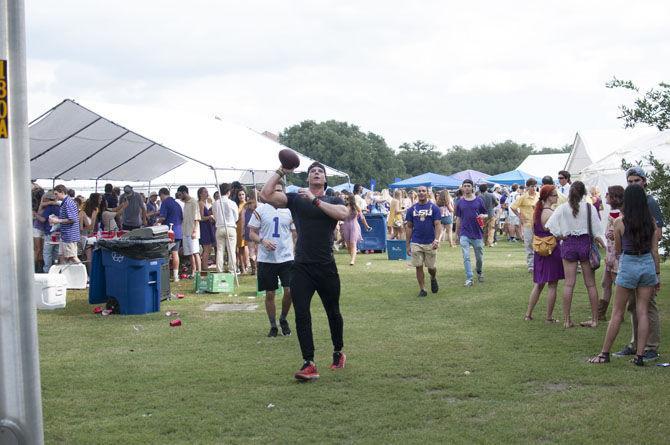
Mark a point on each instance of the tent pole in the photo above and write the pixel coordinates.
(20, 388)
(96, 186)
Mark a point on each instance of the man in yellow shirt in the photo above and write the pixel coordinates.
(524, 207)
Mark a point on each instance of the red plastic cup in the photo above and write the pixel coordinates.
(176, 322)
(480, 221)
(180, 296)
(97, 310)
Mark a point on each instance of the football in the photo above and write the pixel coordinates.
(288, 158)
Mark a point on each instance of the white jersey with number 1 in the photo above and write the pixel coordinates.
(274, 225)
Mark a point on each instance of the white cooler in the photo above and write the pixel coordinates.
(49, 290)
(74, 273)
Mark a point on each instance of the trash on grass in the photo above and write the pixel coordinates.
(176, 322)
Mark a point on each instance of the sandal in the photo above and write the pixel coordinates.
(568, 325)
(603, 357)
(551, 320)
(527, 318)
(588, 324)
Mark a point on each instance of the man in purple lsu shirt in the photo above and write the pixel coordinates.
(469, 230)
(423, 238)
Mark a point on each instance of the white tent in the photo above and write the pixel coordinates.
(540, 165)
(608, 171)
(71, 142)
(544, 164)
(202, 150)
(579, 157)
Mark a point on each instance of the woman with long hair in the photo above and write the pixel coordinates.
(546, 269)
(570, 223)
(614, 199)
(350, 229)
(242, 252)
(207, 226)
(636, 239)
(89, 217)
(396, 221)
(249, 209)
(446, 205)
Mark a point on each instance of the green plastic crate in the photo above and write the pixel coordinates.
(215, 283)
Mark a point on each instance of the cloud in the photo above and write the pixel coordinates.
(446, 72)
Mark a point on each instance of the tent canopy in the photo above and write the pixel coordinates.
(579, 157)
(544, 164)
(71, 142)
(473, 175)
(348, 186)
(429, 180)
(608, 171)
(511, 177)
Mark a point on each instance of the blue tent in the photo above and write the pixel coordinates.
(429, 180)
(510, 177)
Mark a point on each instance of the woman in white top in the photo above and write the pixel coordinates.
(569, 223)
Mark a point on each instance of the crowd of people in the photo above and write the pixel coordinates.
(288, 239)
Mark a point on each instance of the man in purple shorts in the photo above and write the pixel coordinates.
(423, 238)
(469, 230)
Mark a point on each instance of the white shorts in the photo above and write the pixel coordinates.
(190, 246)
(37, 233)
(513, 219)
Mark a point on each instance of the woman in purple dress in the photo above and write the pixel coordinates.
(546, 269)
(207, 226)
(350, 230)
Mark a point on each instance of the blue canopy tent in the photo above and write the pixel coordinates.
(429, 180)
(510, 177)
(475, 176)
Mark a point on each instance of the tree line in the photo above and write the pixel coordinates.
(367, 156)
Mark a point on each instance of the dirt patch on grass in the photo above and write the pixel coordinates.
(539, 388)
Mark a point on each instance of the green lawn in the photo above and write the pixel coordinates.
(134, 379)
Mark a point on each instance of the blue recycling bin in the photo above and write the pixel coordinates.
(396, 249)
(134, 284)
(375, 239)
(97, 286)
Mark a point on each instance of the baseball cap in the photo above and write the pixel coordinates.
(636, 171)
(153, 194)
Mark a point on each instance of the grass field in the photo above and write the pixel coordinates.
(460, 366)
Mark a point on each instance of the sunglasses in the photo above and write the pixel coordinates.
(561, 177)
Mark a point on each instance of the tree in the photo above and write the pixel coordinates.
(652, 109)
(489, 158)
(421, 157)
(345, 147)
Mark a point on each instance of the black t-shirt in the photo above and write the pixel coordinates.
(314, 227)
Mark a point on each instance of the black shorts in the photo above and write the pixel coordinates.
(269, 272)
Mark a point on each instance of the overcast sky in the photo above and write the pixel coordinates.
(449, 73)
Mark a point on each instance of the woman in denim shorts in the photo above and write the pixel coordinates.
(636, 239)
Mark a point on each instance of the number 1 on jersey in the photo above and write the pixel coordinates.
(276, 232)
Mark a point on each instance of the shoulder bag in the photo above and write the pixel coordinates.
(594, 253)
(544, 245)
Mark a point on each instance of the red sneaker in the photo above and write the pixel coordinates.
(307, 373)
(339, 361)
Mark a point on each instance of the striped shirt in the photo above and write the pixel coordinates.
(69, 232)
